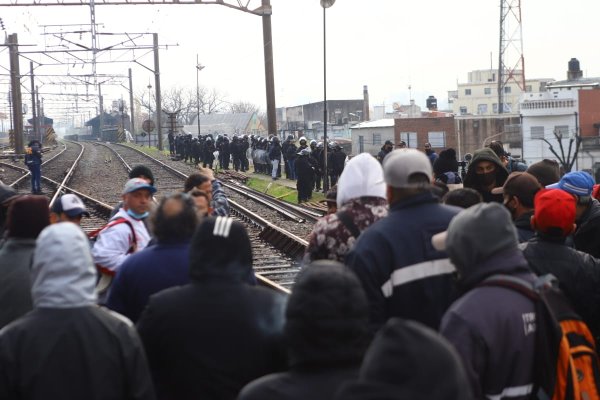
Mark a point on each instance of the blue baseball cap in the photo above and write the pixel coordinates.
(136, 184)
(578, 183)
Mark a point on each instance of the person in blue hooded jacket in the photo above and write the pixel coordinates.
(33, 160)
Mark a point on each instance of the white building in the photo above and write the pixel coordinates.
(368, 137)
(543, 114)
(479, 96)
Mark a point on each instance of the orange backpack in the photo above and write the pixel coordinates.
(566, 363)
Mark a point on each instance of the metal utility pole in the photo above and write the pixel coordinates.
(511, 63)
(157, 87)
(39, 113)
(15, 80)
(33, 92)
(269, 70)
(101, 108)
(131, 127)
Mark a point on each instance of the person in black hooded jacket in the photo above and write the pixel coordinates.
(578, 273)
(485, 173)
(326, 332)
(207, 339)
(408, 361)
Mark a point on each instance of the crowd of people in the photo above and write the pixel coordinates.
(301, 161)
(402, 292)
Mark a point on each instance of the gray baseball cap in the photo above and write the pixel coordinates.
(400, 164)
(136, 184)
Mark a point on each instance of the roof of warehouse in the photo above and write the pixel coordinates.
(221, 123)
(380, 123)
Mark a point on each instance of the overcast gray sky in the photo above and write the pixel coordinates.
(385, 44)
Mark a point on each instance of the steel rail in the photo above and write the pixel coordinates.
(278, 237)
(69, 173)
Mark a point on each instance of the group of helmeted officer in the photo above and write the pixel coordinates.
(305, 163)
(203, 150)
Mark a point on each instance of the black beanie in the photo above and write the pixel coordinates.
(327, 316)
(140, 170)
(408, 360)
(446, 162)
(221, 249)
(27, 216)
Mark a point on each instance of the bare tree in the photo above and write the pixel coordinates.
(183, 100)
(565, 160)
(243, 107)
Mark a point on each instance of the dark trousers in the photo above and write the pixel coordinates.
(36, 176)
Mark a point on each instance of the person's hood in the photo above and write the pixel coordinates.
(485, 154)
(63, 273)
(221, 249)
(362, 177)
(327, 316)
(409, 361)
(477, 235)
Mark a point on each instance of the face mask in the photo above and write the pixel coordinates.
(428, 151)
(135, 215)
(486, 179)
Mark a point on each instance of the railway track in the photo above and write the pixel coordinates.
(56, 174)
(276, 251)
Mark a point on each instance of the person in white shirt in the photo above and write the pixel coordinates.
(125, 233)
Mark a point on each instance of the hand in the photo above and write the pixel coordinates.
(207, 172)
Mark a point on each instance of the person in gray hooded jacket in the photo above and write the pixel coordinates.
(67, 347)
(492, 327)
(27, 216)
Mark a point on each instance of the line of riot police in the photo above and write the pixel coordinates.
(205, 150)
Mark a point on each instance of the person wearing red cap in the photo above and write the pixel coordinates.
(578, 273)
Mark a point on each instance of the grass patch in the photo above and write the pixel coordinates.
(281, 192)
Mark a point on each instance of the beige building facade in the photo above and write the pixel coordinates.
(479, 95)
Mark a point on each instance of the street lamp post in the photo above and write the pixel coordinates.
(199, 67)
(325, 4)
(149, 112)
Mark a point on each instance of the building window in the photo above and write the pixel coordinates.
(507, 89)
(562, 130)
(487, 90)
(361, 144)
(377, 138)
(463, 110)
(467, 92)
(482, 109)
(537, 132)
(507, 107)
(410, 138)
(528, 88)
(437, 139)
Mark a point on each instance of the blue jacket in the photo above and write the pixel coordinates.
(493, 330)
(145, 273)
(401, 272)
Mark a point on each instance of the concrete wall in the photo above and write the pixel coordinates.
(367, 134)
(589, 111)
(475, 132)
